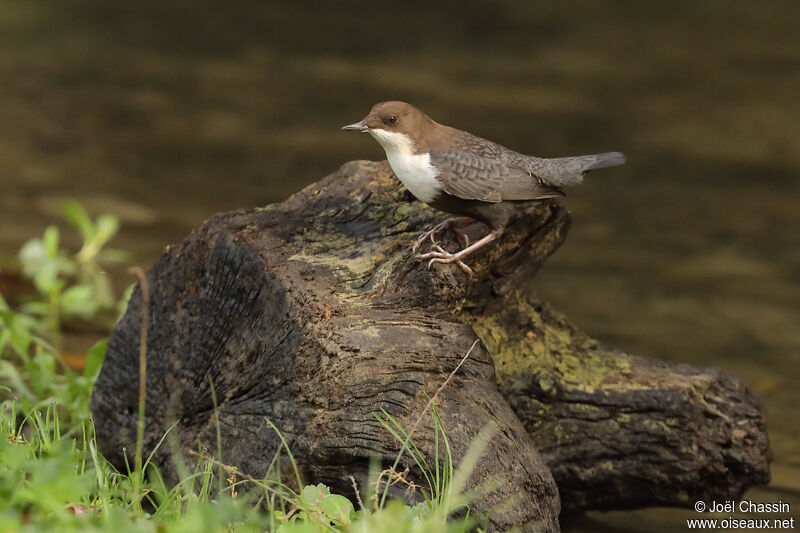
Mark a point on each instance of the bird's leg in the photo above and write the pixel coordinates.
(440, 255)
(450, 223)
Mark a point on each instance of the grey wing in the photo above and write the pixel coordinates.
(468, 176)
(489, 179)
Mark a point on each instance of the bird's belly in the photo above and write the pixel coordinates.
(417, 174)
(493, 214)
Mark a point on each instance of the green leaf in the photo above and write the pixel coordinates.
(338, 508)
(79, 219)
(13, 377)
(94, 358)
(107, 227)
(36, 308)
(43, 344)
(299, 527)
(5, 337)
(14, 333)
(42, 370)
(31, 255)
(52, 481)
(3, 304)
(46, 278)
(43, 263)
(420, 510)
(19, 336)
(313, 495)
(51, 238)
(103, 230)
(79, 300)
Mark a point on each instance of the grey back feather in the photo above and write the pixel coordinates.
(488, 178)
(482, 170)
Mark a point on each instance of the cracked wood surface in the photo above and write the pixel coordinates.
(313, 314)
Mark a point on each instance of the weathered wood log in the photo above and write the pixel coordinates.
(313, 314)
(620, 431)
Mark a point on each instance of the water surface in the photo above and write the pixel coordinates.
(165, 113)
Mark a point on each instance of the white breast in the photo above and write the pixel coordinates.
(415, 171)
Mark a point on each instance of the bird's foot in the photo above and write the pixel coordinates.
(440, 255)
(450, 223)
(430, 234)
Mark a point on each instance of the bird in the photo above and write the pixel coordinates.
(465, 175)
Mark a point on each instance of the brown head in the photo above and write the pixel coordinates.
(395, 117)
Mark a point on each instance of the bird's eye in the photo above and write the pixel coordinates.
(392, 120)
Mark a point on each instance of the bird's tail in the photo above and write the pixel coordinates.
(565, 171)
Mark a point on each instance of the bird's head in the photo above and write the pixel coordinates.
(395, 125)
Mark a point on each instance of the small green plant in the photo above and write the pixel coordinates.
(71, 285)
(66, 285)
(54, 479)
(32, 373)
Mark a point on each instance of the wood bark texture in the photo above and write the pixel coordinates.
(313, 314)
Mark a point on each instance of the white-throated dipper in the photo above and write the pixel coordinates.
(460, 173)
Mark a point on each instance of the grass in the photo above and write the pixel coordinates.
(54, 478)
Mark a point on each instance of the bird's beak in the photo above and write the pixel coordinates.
(356, 126)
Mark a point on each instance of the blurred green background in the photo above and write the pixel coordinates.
(164, 113)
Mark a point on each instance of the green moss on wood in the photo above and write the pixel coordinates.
(531, 342)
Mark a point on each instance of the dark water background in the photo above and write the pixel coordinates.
(167, 112)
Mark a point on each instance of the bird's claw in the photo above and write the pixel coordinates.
(430, 234)
(458, 263)
(440, 255)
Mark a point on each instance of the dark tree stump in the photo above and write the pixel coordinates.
(312, 314)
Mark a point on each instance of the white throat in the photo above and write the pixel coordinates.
(415, 171)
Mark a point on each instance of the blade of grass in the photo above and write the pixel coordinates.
(102, 481)
(158, 445)
(137, 479)
(288, 452)
(220, 475)
(410, 447)
(447, 475)
(454, 497)
(425, 410)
